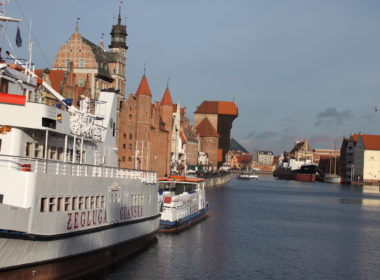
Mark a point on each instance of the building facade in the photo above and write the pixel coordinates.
(219, 115)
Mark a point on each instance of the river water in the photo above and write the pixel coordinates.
(271, 229)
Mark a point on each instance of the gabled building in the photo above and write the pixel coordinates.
(209, 141)
(219, 115)
(94, 65)
(145, 131)
(367, 159)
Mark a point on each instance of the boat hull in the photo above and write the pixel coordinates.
(298, 177)
(27, 258)
(178, 226)
(80, 265)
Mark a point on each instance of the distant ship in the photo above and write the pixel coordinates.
(182, 202)
(248, 175)
(65, 206)
(306, 173)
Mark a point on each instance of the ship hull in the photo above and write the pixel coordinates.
(183, 224)
(77, 255)
(298, 177)
(80, 265)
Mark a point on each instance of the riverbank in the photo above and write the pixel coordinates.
(218, 181)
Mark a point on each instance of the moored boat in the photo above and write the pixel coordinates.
(182, 202)
(246, 175)
(62, 196)
(306, 173)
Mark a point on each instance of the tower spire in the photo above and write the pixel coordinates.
(77, 25)
(119, 17)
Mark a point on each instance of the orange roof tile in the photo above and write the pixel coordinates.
(217, 107)
(56, 77)
(205, 129)
(371, 142)
(166, 98)
(143, 88)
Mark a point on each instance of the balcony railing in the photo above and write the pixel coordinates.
(36, 165)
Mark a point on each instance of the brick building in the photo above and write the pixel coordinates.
(145, 131)
(219, 115)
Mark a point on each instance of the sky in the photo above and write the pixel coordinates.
(297, 69)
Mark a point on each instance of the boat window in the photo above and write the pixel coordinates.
(60, 204)
(92, 202)
(3, 85)
(1, 198)
(67, 203)
(102, 202)
(43, 204)
(87, 202)
(53, 152)
(81, 203)
(49, 123)
(52, 204)
(75, 203)
(97, 201)
(60, 154)
(36, 150)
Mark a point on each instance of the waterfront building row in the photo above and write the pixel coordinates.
(152, 135)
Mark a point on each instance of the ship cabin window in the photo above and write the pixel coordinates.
(102, 202)
(60, 154)
(3, 85)
(67, 203)
(60, 205)
(74, 206)
(1, 198)
(52, 204)
(92, 203)
(50, 123)
(87, 202)
(36, 149)
(81, 203)
(97, 201)
(53, 152)
(43, 207)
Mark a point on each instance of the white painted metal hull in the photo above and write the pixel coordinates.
(18, 252)
(332, 179)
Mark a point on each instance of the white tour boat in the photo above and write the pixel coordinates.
(248, 175)
(65, 206)
(182, 202)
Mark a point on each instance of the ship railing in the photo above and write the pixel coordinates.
(55, 167)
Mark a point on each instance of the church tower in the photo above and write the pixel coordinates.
(118, 55)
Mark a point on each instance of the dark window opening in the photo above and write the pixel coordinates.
(113, 129)
(1, 198)
(49, 123)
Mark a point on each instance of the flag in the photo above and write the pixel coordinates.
(18, 38)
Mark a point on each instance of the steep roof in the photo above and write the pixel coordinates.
(166, 98)
(217, 107)
(101, 59)
(371, 142)
(56, 77)
(143, 88)
(205, 129)
(235, 146)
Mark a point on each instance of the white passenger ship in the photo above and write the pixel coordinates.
(62, 196)
(182, 202)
